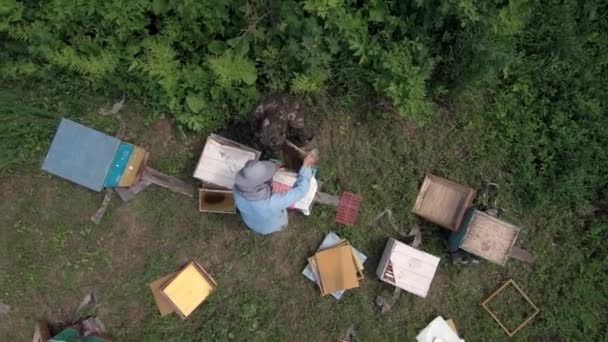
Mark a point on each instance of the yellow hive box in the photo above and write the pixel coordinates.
(188, 288)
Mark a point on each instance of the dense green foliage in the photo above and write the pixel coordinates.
(206, 61)
(525, 84)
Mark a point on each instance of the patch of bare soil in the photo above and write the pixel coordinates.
(163, 131)
(127, 248)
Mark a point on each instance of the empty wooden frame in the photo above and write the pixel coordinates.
(526, 321)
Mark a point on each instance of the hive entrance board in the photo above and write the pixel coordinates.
(443, 202)
(216, 201)
(488, 237)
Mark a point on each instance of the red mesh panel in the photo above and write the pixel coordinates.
(348, 210)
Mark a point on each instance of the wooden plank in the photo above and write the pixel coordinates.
(443, 202)
(168, 182)
(522, 255)
(96, 218)
(327, 199)
(299, 150)
(489, 238)
(127, 194)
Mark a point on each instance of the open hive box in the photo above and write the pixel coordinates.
(217, 167)
(212, 200)
(487, 237)
(221, 160)
(443, 202)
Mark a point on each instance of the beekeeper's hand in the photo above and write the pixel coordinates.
(311, 159)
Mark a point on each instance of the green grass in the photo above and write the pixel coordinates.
(51, 255)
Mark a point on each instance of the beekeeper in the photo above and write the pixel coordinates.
(261, 210)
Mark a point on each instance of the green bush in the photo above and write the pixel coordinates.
(208, 61)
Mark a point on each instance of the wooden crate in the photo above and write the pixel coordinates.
(407, 268)
(443, 202)
(488, 237)
(212, 200)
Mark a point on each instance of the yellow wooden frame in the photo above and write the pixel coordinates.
(526, 321)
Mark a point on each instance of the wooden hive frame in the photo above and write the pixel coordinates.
(437, 195)
(523, 294)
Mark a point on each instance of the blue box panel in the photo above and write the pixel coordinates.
(81, 155)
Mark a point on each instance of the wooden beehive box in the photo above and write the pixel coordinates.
(188, 288)
(488, 237)
(407, 268)
(443, 202)
(215, 200)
